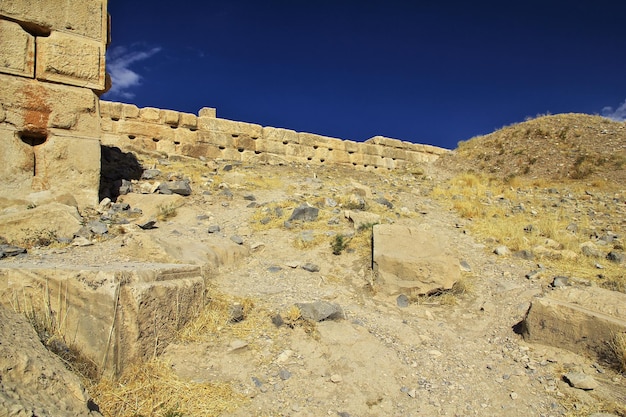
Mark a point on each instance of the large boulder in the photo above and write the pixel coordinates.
(582, 320)
(411, 260)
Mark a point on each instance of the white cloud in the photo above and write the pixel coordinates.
(619, 114)
(123, 78)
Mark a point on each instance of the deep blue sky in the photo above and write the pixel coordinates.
(433, 72)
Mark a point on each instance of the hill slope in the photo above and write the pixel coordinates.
(557, 147)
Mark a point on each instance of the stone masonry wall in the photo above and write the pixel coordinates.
(51, 68)
(127, 126)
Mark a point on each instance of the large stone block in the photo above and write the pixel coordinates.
(582, 320)
(87, 18)
(71, 59)
(114, 314)
(17, 50)
(284, 136)
(413, 261)
(230, 127)
(34, 106)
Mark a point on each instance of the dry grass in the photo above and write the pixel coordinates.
(618, 349)
(519, 218)
(152, 389)
(167, 211)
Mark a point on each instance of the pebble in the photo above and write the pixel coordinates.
(237, 239)
(514, 395)
(336, 378)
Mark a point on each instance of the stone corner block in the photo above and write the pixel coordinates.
(70, 59)
(17, 50)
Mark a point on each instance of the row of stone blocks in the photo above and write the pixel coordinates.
(206, 135)
(114, 315)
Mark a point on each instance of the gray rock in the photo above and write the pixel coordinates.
(591, 250)
(126, 187)
(465, 267)
(147, 225)
(616, 257)
(560, 281)
(150, 174)
(524, 254)
(236, 313)
(329, 202)
(402, 301)
(580, 380)
(97, 227)
(176, 187)
(249, 197)
(274, 268)
(226, 193)
(284, 374)
(383, 201)
(305, 213)
(10, 250)
(237, 239)
(311, 267)
(214, 228)
(572, 227)
(320, 310)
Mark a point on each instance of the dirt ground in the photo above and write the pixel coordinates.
(447, 356)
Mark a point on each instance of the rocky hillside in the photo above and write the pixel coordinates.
(556, 147)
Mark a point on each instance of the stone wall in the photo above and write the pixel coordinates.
(51, 68)
(127, 126)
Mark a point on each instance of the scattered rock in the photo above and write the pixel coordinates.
(304, 213)
(176, 187)
(560, 281)
(402, 301)
(383, 201)
(336, 378)
(501, 251)
(147, 225)
(236, 345)
(237, 239)
(97, 227)
(320, 310)
(10, 250)
(236, 313)
(311, 267)
(150, 174)
(274, 268)
(214, 228)
(580, 381)
(284, 374)
(249, 197)
(465, 267)
(361, 219)
(591, 250)
(616, 257)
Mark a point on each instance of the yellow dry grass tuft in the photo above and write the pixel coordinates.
(152, 389)
(618, 348)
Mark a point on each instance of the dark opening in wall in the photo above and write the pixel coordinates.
(222, 147)
(315, 146)
(254, 137)
(115, 119)
(240, 149)
(131, 137)
(155, 139)
(193, 129)
(235, 135)
(257, 152)
(174, 126)
(309, 158)
(33, 138)
(322, 160)
(176, 142)
(285, 142)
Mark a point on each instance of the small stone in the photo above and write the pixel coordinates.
(465, 267)
(514, 395)
(580, 381)
(320, 310)
(81, 241)
(98, 227)
(277, 320)
(305, 213)
(501, 251)
(615, 257)
(412, 393)
(336, 378)
(237, 239)
(310, 267)
(383, 201)
(560, 281)
(214, 229)
(284, 374)
(402, 301)
(292, 264)
(237, 344)
(274, 268)
(10, 250)
(236, 313)
(249, 197)
(147, 225)
(150, 174)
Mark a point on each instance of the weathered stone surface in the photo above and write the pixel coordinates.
(81, 17)
(34, 380)
(119, 313)
(320, 310)
(17, 50)
(580, 380)
(304, 213)
(71, 60)
(361, 218)
(49, 221)
(582, 320)
(410, 260)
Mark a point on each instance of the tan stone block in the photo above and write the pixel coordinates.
(72, 60)
(230, 127)
(231, 154)
(149, 114)
(207, 112)
(367, 149)
(111, 109)
(87, 18)
(34, 106)
(188, 121)
(169, 117)
(336, 144)
(339, 156)
(313, 140)
(185, 136)
(280, 135)
(17, 50)
(130, 111)
(220, 139)
(351, 146)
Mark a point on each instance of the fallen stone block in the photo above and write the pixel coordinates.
(413, 261)
(582, 320)
(114, 314)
